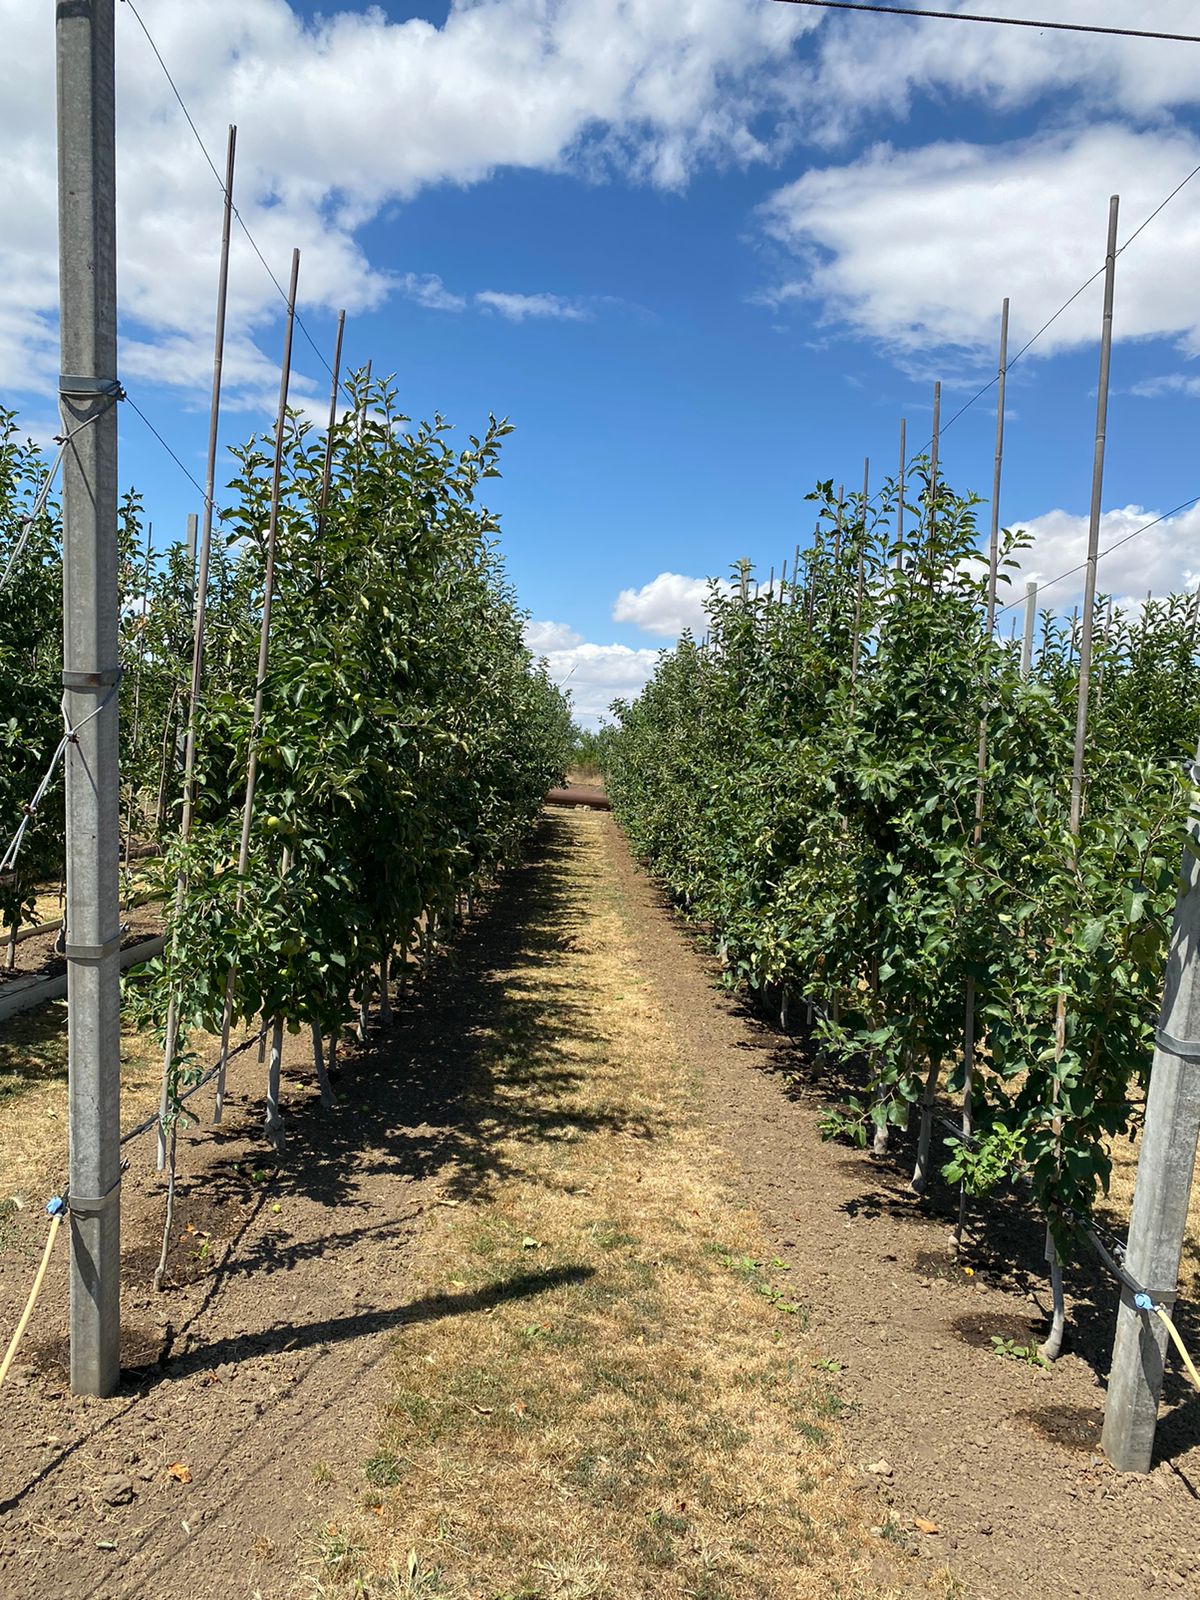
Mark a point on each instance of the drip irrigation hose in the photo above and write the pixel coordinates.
(57, 1209)
(1161, 1311)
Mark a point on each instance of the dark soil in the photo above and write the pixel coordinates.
(41, 955)
(1002, 1456)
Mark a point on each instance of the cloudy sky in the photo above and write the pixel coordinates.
(702, 253)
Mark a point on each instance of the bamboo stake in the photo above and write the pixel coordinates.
(858, 589)
(327, 467)
(968, 1111)
(264, 640)
(1053, 1343)
(199, 582)
(137, 694)
(900, 482)
(163, 758)
(934, 446)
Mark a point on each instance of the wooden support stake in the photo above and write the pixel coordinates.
(1053, 1342)
(968, 1110)
(900, 483)
(199, 592)
(264, 640)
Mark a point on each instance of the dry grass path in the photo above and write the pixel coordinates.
(496, 1329)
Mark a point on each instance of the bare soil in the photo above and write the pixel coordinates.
(257, 1363)
(239, 1446)
(1003, 1457)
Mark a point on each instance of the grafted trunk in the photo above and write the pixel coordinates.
(272, 1120)
(328, 1098)
(920, 1178)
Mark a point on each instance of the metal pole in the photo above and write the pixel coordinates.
(88, 390)
(264, 640)
(1031, 593)
(1163, 1190)
(1089, 589)
(200, 603)
(193, 523)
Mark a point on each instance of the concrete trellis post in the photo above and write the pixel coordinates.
(88, 388)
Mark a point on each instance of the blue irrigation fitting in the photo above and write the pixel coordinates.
(56, 1205)
(1143, 1302)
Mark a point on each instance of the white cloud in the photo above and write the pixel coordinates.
(1165, 559)
(918, 247)
(428, 290)
(861, 67)
(542, 637)
(343, 114)
(516, 307)
(1168, 383)
(598, 674)
(665, 606)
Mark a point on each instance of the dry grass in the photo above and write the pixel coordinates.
(33, 1096)
(619, 1400)
(1115, 1211)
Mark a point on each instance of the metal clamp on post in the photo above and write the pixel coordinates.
(94, 1205)
(85, 682)
(93, 952)
(1185, 1049)
(73, 386)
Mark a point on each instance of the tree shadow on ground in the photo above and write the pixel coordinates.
(1005, 1240)
(480, 1064)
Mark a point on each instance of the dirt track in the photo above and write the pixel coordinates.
(1000, 1455)
(266, 1358)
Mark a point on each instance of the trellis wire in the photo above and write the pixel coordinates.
(29, 517)
(8, 860)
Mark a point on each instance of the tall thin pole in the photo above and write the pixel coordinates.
(137, 696)
(969, 1018)
(934, 446)
(858, 586)
(900, 482)
(997, 468)
(200, 604)
(264, 640)
(327, 467)
(1089, 587)
(1163, 1190)
(88, 390)
(1053, 1342)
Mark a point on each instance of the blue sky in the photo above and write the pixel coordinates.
(700, 254)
